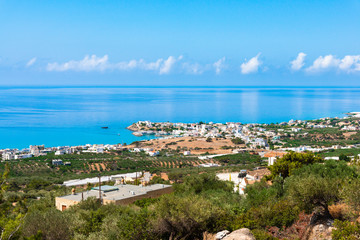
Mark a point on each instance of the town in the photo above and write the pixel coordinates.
(321, 135)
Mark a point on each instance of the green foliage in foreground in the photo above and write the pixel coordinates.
(346, 230)
(287, 164)
(200, 203)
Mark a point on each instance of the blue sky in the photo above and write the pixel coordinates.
(312, 43)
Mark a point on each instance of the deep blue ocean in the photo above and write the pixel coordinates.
(57, 116)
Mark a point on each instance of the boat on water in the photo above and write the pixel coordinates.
(104, 127)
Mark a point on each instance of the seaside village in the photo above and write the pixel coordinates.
(254, 137)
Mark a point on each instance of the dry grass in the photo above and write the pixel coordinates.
(349, 134)
(339, 211)
(213, 147)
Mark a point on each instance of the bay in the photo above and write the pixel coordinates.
(62, 116)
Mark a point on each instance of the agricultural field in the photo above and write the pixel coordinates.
(338, 152)
(322, 137)
(41, 172)
(87, 165)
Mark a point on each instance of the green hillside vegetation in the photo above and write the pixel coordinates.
(200, 203)
(320, 137)
(338, 152)
(239, 158)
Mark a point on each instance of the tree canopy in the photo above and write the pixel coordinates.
(288, 163)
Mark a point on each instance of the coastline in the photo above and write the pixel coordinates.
(59, 136)
(217, 138)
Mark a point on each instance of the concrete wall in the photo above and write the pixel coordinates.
(60, 202)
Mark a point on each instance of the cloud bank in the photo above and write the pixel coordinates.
(162, 66)
(94, 63)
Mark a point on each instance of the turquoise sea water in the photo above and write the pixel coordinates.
(57, 116)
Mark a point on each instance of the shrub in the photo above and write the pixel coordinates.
(287, 164)
(351, 194)
(313, 191)
(52, 224)
(186, 217)
(346, 230)
(281, 214)
(201, 183)
(237, 141)
(344, 157)
(260, 234)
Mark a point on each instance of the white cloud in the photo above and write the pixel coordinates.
(86, 64)
(193, 68)
(219, 65)
(125, 65)
(151, 65)
(323, 63)
(167, 65)
(349, 64)
(31, 62)
(298, 63)
(251, 66)
(94, 63)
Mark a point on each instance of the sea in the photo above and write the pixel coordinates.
(69, 116)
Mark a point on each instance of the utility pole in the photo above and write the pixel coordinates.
(100, 188)
(135, 175)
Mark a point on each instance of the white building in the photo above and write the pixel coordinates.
(59, 152)
(8, 156)
(187, 153)
(153, 153)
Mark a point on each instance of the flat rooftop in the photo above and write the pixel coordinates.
(116, 192)
(79, 182)
(106, 188)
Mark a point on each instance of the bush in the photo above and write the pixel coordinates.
(52, 224)
(260, 193)
(201, 183)
(158, 180)
(345, 158)
(239, 158)
(346, 230)
(186, 217)
(288, 163)
(281, 214)
(313, 191)
(351, 194)
(237, 141)
(136, 225)
(260, 234)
